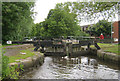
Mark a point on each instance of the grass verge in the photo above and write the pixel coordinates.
(113, 48)
(21, 56)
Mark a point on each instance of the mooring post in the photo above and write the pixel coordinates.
(42, 50)
(69, 49)
(64, 48)
(55, 48)
(79, 47)
(37, 45)
(72, 49)
(76, 48)
(88, 47)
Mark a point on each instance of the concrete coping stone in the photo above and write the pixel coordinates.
(28, 62)
(108, 55)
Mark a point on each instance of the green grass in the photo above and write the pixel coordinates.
(113, 48)
(21, 56)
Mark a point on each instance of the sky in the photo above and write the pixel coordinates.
(42, 7)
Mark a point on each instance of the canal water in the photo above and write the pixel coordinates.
(81, 67)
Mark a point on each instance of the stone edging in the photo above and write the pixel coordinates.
(100, 54)
(105, 55)
(108, 56)
(30, 62)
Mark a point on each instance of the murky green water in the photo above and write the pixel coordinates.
(81, 67)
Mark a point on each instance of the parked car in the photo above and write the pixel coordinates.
(27, 39)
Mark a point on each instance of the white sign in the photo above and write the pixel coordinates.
(112, 32)
(9, 42)
(115, 39)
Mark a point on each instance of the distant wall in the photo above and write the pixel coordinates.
(115, 30)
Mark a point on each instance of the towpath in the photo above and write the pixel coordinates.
(15, 49)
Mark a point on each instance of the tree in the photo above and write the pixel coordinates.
(103, 26)
(60, 23)
(17, 20)
(91, 11)
(37, 30)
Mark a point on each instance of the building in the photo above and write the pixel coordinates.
(87, 28)
(115, 33)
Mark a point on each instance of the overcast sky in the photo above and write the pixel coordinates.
(43, 6)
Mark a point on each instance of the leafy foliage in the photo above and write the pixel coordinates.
(90, 11)
(9, 72)
(103, 26)
(58, 23)
(16, 20)
(37, 29)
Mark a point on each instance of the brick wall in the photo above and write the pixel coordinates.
(115, 30)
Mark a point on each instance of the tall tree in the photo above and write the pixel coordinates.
(60, 23)
(16, 20)
(38, 30)
(103, 26)
(90, 11)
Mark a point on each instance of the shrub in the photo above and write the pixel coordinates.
(9, 72)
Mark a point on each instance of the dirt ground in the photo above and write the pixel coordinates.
(15, 49)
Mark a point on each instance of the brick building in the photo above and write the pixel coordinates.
(115, 33)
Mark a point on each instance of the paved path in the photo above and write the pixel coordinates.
(15, 49)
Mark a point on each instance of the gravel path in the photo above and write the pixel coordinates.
(15, 49)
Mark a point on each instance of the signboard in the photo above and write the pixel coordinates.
(9, 42)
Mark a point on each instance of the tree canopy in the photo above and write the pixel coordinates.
(103, 26)
(17, 20)
(59, 23)
(64, 19)
(90, 11)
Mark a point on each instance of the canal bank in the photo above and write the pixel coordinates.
(80, 65)
(23, 55)
(83, 48)
(22, 58)
(30, 62)
(38, 58)
(33, 62)
(107, 56)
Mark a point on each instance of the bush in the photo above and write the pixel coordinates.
(7, 71)
(81, 33)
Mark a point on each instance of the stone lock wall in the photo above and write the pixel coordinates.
(30, 62)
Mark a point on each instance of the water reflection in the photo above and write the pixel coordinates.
(72, 68)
